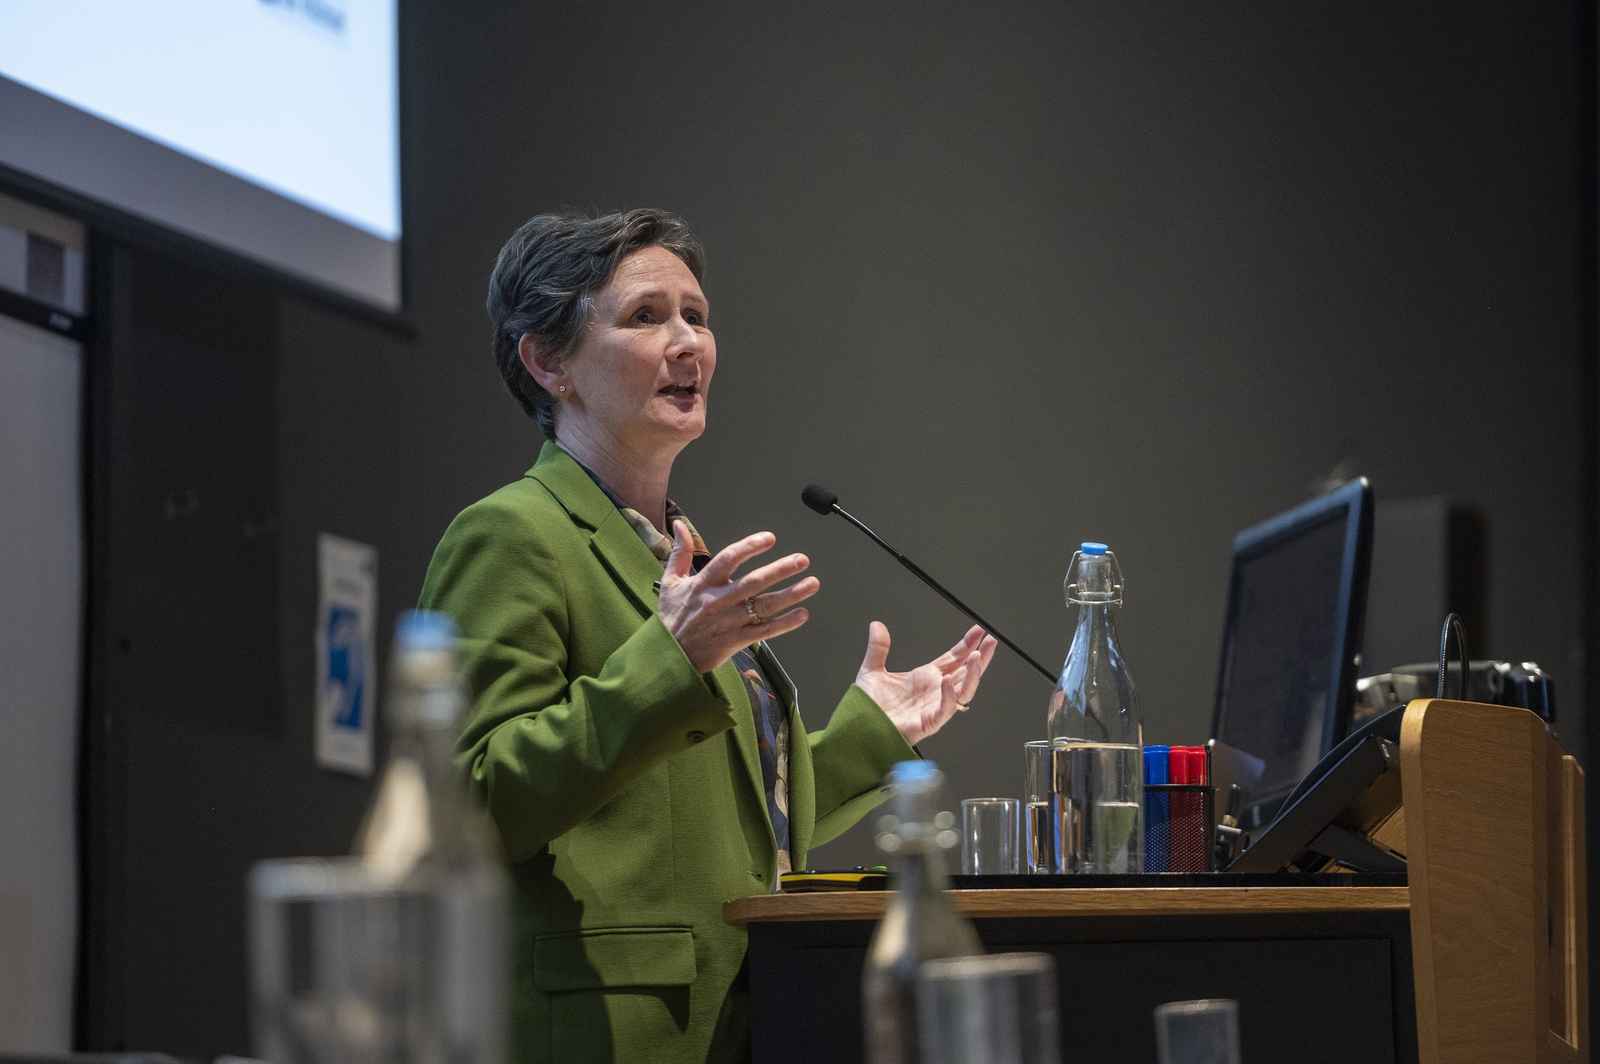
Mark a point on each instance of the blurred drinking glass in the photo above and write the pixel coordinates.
(1038, 851)
(997, 1009)
(330, 979)
(1198, 1032)
(989, 836)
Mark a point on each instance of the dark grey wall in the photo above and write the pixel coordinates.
(1011, 282)
(1005, 282)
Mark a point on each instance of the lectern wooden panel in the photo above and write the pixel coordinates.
(1495, 844)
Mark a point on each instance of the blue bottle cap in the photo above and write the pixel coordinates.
(425, 630)
(912, 771)
(1093, 548)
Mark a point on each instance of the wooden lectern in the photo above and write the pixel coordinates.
(1499, 898)
(1483, 958)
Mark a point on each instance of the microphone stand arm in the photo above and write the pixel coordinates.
(916, 571)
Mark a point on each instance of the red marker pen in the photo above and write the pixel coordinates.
(1191, 843)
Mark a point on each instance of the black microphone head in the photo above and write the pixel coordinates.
(819, 499)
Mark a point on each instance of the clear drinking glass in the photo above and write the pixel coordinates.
(1198, 1032)
(998, 1009)
(1038, 853)
(989, 836)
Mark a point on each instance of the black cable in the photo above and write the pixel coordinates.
(1452, 623)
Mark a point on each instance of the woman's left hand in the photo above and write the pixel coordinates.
(920, 701)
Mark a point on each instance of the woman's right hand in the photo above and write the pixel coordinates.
(713, 616)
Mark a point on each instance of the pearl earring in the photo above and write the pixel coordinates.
(562, 389)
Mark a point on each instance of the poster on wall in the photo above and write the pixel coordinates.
(347, 687)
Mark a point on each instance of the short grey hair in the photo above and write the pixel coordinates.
(545, 279)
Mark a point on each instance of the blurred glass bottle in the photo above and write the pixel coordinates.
(398, 953)
(920, 924)
(425, 836)
(1095, 732)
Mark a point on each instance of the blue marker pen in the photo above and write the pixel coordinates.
(1157, 811)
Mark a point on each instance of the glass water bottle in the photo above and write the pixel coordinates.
(427, 837)
(1095, 733)
(399, 953)
(920, 924)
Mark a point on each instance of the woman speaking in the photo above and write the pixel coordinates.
(631, 733)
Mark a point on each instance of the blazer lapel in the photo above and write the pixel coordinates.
(613, 540)
(743, 737)
(802, 786)
(630, 562)
(638, 573)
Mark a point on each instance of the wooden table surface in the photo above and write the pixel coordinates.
(1076, 901)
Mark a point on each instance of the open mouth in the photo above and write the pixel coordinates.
(679, 391)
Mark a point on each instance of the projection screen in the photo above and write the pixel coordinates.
(266, 127)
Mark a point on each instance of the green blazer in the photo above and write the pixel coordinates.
(624, 783)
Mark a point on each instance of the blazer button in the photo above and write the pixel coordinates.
(696, 736)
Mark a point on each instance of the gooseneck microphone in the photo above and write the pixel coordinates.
(826, 502)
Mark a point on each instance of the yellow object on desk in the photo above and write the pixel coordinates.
(808, 880)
